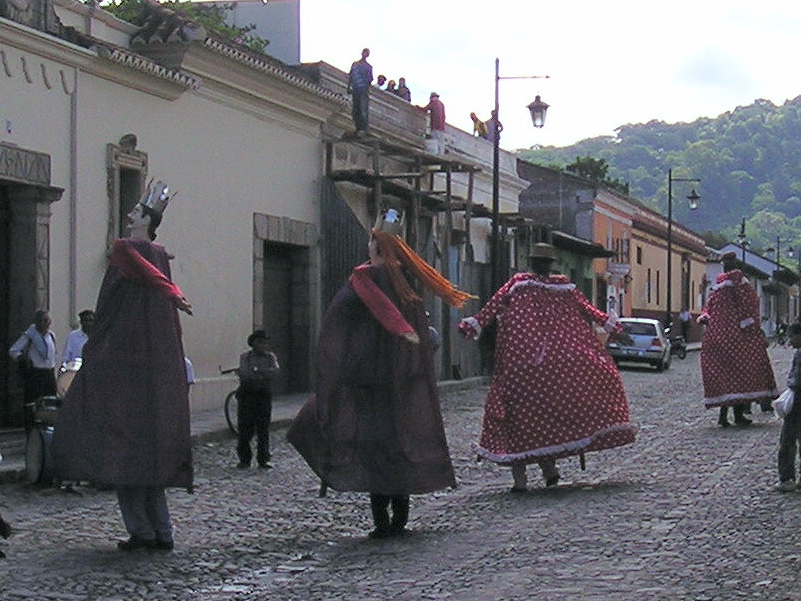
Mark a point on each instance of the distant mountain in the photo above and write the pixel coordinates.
(748, 161)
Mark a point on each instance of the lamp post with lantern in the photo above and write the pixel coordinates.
(742, 240)
(537, 109)
(782, 297)
(692, 199)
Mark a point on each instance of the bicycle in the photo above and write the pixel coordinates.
(231, 404)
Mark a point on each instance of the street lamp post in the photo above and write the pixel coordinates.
(778, 251)
(741, 238)
(693, 198)
(538, 109)
(781, 298)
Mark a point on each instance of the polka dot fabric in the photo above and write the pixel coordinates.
(734, 361)
(555, 390)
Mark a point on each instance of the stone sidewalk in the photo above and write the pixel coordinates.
(205, 426)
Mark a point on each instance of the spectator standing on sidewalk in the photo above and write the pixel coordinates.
(555, 391)
(73, 347)
(35, 354)
(791, 428)
(735, 367)
(375, 424)
(359, 80)
(684, 320)
(124, 421)
(257, 367)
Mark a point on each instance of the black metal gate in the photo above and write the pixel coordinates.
(343, 244)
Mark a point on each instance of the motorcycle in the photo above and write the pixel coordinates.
(678, 345)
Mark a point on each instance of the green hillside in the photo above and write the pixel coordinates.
(748, 160)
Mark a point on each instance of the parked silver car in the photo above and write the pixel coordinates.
(649, 343)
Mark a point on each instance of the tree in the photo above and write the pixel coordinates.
(596, 170)
(211, 15)
(746, 159)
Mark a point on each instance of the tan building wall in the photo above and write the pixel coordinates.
(242, 139)
(649, 269)
(247, 168)
(612, 229)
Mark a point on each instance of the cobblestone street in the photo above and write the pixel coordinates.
(686, 513)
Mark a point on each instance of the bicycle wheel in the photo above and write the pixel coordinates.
(231, 406)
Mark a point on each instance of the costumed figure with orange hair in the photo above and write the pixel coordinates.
(375, 424)
(735, 367)
(555, 390)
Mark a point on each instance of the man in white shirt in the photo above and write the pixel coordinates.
(73, 348)
(35, 353)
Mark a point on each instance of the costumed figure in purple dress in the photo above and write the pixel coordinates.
(125, 420)
(375, 424)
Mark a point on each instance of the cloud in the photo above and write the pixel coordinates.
(718, 71)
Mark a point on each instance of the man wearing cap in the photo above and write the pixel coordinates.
(555, 391)
(437, 110)
(124, 421)
(735, 367)
(254, 411)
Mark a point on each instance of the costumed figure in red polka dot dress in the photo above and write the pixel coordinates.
(735, 367)
(555, 390)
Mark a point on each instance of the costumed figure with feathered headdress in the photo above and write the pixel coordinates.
(375, 424)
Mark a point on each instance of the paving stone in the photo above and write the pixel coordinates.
(687, 512)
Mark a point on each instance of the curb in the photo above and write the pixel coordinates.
(12, 468)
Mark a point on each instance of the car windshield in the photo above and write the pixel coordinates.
(640, 329)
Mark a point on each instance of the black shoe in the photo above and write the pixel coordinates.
(723, 422)
(380, 533)
(266, 465)
(398, 530)
(742, 421)
(242, 465)
(5, 528)
(164, 545)
(552, 481)
(135, 542)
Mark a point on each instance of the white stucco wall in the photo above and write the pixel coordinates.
(226, 163)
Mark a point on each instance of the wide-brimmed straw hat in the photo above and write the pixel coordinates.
(542, 250)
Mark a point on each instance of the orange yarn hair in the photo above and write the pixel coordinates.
(397, 253)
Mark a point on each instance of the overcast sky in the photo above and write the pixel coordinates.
(610, 63)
